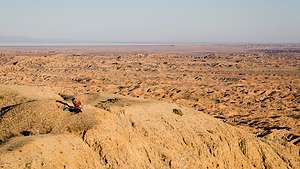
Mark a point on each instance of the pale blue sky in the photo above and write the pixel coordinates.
(151, 20)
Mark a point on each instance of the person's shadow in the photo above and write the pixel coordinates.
(69, 108)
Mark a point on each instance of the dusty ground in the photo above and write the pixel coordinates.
(123, 132)
(253, 87)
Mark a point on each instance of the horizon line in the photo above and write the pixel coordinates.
(133, 43)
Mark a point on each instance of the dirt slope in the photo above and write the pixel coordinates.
(123, 132)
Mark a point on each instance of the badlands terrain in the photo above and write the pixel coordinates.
(171, 106)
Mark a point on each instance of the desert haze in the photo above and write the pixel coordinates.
(150, 106)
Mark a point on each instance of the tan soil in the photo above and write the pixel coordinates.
(122, 132)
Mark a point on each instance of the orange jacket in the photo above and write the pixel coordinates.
(77, 104)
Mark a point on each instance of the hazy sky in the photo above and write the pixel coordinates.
(151, 20)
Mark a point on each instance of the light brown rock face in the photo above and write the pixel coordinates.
(48, 151)
(123, 132)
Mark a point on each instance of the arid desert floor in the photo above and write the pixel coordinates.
(159, 106)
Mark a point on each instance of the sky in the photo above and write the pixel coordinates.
(150, 21)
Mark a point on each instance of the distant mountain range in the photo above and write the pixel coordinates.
(19, 40)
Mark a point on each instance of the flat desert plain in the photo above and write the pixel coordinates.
(151, 106)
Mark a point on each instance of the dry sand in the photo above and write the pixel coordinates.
(156, 107)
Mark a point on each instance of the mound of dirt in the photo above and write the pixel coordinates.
(48, 151)
(121, 132)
